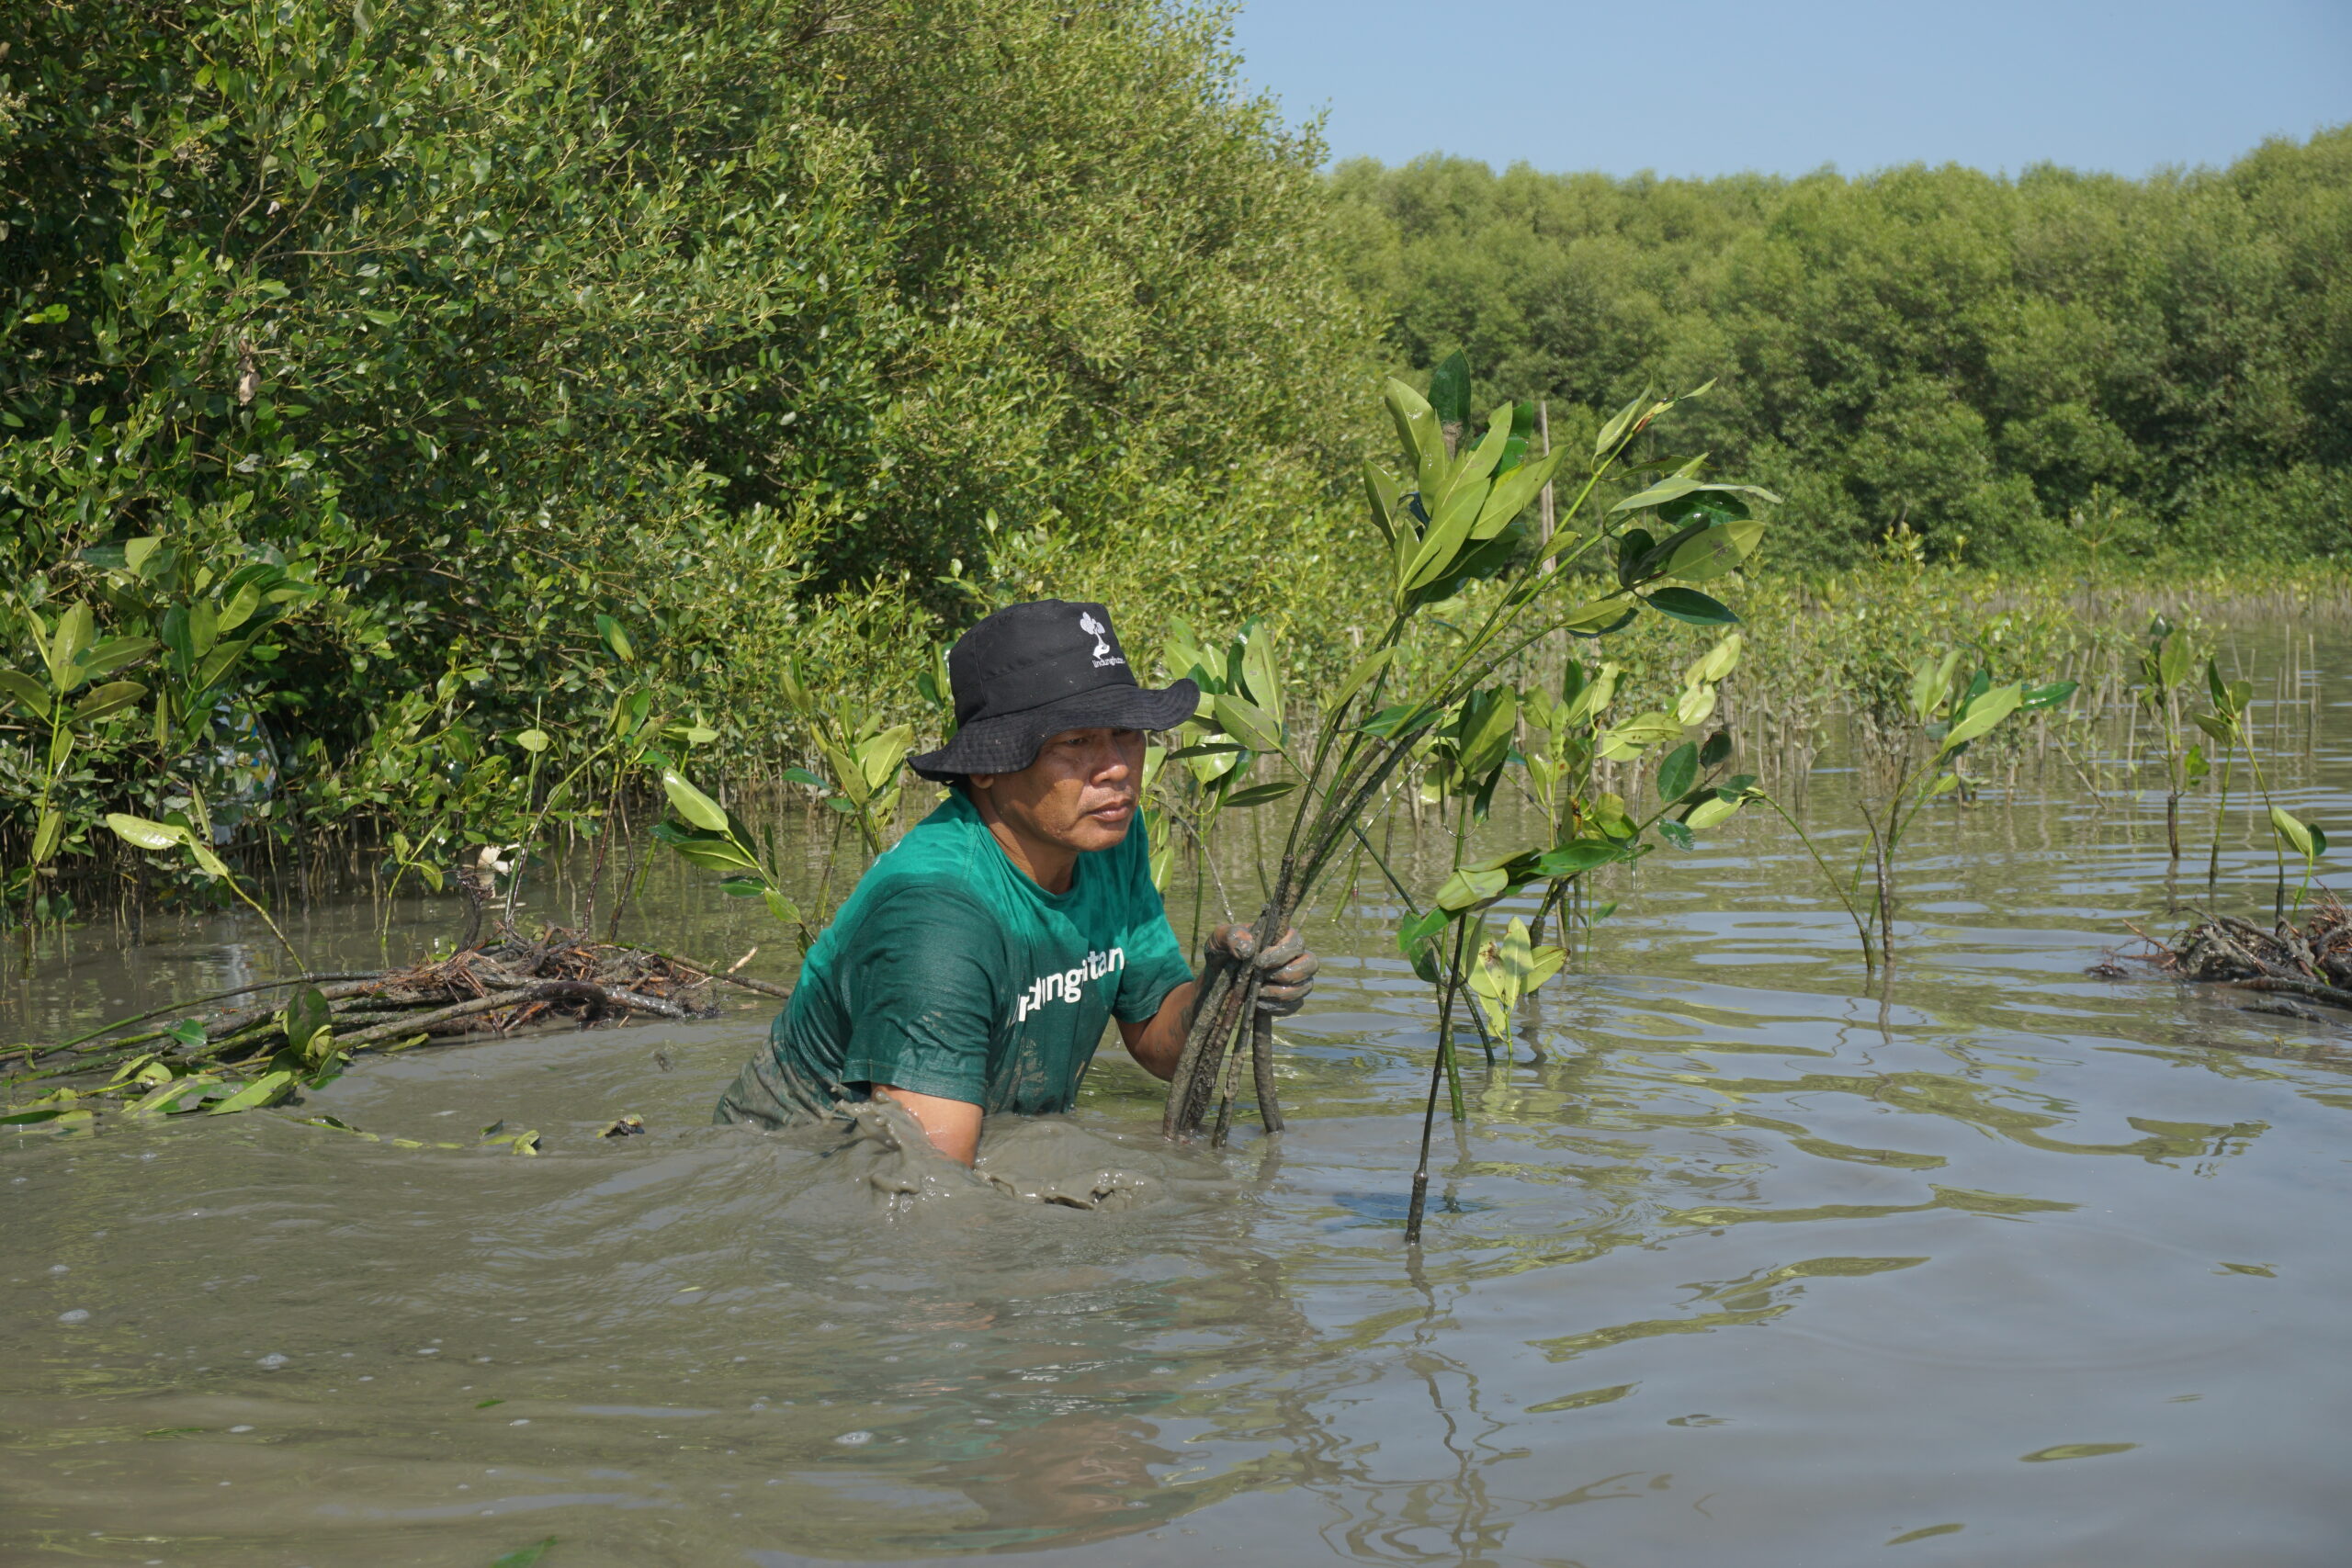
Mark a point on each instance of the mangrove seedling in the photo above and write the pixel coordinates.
(715, 839)
(157, 837)
(862, 756)
(2164, 667)
(1950, 716)
(71, 656)
(2226, 724)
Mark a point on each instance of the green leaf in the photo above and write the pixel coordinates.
(1449, 530)
(1259, 673)
(1619, 423)
(692, 803)
(1709, 811)
(1717, 751)
(309, 1025)
(1512, 493)
(110, 698)
(2172, 662)
(1249, 724)
(1417, 428)
(267, 1089)
(2047, 696)
(1366, 668)
(1677, 772)
(879, 756)
(1717, 550)
(1450, 389)
(1466, 889)
(2292, 833)
(1487, 720)
(1692, 607)
(165, 1097)
(1601, 617)
(617, 640)
(1579, 856)
(1259, 794)
(1981, 716)
(526, 1557)
(2214, 725)
(534, 741)
(803, 777)
(1931, 683)
(46, 834)
(1381, 495)
(1419, 930)
(1677, 835)
(240, 608)
(143, 834)
(75, 631)
(25, 693)
(116, 653)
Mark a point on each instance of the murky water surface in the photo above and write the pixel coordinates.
(1735, 1259)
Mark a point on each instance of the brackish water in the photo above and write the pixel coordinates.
(1737, 1258)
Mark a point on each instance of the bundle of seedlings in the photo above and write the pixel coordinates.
(1454, 515)
(2312, 961)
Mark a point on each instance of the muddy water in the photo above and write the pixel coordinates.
(1737, 1257)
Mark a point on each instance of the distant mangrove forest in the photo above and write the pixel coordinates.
(421, 425)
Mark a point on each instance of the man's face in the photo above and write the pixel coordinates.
(1080, 792)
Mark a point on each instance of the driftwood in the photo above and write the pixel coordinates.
(2312, 961)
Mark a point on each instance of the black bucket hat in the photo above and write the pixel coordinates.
(1032, 671)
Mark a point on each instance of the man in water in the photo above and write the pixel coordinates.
(974, 967)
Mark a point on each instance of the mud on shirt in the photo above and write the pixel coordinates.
(950, 972)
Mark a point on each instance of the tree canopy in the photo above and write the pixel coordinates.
(1994, 364)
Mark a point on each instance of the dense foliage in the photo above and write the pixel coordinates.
(2015, 370)
(763, 327)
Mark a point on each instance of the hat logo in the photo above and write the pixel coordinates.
(1102, 636)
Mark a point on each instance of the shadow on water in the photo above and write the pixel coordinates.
(1994, 1262)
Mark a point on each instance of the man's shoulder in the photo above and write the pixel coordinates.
(942, 856)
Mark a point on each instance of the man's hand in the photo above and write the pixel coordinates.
(1286, 970)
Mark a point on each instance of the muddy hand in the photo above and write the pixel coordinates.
(1286, 969)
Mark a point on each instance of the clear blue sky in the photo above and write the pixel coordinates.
(1715, 87)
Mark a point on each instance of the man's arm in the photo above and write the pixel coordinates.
(953, 1125)
(1159, 1041)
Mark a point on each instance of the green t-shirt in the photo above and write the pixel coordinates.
(949, 972)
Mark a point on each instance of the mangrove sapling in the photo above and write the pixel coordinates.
(73, 655)
(2164, 667)
(2227, 724)
(716, 840)
(1950, 716)
(862, 756)
(140, 833)
(1454, 518)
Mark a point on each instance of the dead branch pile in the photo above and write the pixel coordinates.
(519, 983)
(2312, 961)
